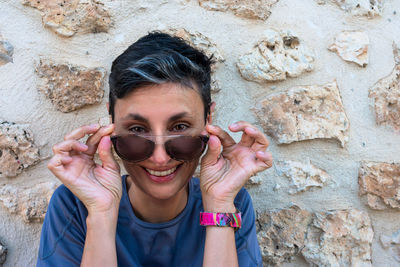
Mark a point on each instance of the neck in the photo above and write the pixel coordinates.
(153, 210)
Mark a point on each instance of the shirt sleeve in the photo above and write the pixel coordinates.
(63, 232)
(248, 250)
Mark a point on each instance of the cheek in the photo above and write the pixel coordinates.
(132, 168)
(190, 167)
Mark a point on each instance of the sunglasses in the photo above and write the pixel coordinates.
(135, 148)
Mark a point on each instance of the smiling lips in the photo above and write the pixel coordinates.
(161, 173)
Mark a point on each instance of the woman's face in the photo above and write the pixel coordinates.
(165, 109)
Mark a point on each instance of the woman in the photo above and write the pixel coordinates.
(161, 122)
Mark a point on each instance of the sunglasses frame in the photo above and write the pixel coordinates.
(153, 142)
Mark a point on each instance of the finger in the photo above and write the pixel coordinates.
(93, 141)
(106, 155)
(224, 137)
(68, 146)
(57, 162)
(213, 151)
(264, 160)
(260, 141)
(240, 125)
(254, 135)
(82, 131)
(247, 137)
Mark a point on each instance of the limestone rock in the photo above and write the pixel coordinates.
(199, 41)
(352, 46)
(17, 149)
(281, 234)
(204, 44)
(380, 181)
(276, 57)
(333, 238)
(67, 18)
(30, 203)
(396, 53)
(254, 180)
(366, 8)
(393, 244)
(302, 176)
(304, 113)
(339, 238)
(6, 51)
(251, 9)
(3, 254)
(215, 87)
(386, 94)
(70, 87)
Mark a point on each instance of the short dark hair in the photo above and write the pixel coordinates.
(158, 58)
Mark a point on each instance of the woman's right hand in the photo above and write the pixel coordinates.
(99, 187)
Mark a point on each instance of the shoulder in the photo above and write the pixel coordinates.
(64, 207)
(64, 222)
(64, 200)
(62, 195)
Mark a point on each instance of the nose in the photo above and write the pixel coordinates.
(160, 156)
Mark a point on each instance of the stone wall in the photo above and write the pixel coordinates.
(320, 77)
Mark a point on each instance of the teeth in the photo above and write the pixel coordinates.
(162, 173)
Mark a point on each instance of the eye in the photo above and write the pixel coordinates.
(180, 127)
(138, 129)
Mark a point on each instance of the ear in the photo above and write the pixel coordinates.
(211, 113)
(108, 111)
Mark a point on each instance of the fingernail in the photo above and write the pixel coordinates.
(251, 130)
(233, 125)
(84, 146)
(95, 126)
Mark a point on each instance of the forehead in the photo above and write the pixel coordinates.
(160, 101)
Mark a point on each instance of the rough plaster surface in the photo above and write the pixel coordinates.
(392, 243)
(315, 25)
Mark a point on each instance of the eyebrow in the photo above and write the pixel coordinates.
(135, 116)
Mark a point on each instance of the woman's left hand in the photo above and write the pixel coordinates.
(224, 173)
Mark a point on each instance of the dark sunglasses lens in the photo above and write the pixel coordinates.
(133, 147)
(185, 148)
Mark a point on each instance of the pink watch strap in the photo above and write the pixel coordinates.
(221, 219)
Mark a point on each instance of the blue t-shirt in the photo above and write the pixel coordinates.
(179, 242)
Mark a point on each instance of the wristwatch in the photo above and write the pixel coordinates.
(221, 219)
